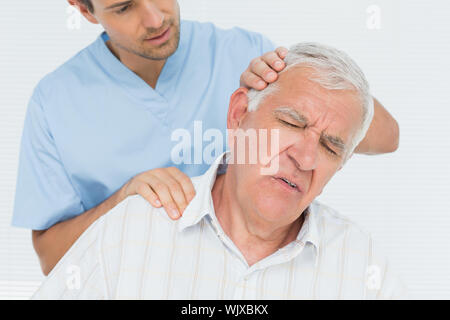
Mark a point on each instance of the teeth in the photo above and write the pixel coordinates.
(293, 185)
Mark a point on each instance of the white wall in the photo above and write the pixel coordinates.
(403, 198)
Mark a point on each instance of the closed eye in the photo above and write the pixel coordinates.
(329, 149)
(289, 124)
(123, 9)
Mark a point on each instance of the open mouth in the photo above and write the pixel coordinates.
(291, 184)
(286, 183)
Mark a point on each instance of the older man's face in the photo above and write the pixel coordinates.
(315, 126)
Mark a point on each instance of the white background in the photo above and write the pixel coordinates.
(403, 198)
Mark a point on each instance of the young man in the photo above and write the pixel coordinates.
(96, 125)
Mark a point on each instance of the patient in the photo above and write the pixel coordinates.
(248, 234)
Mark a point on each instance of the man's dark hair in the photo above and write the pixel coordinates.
(88, 4)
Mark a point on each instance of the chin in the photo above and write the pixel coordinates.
(275, 209)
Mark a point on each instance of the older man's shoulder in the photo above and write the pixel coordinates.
(132, 210)
(132, 219)
(341, 239)
(336, 229)
(332, 216)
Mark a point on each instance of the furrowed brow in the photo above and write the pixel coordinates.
(335, 141)
(290, 113)
(118, 4)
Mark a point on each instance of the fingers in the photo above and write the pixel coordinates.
(282, 52)
(273, 61)
(250, 80)
(177, 193)
(167, 187)
(264, 70)
(180, 186)
(147, 193)
(260, 68)
(184, 181)
(161, 189)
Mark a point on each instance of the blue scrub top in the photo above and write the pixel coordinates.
(93, 124)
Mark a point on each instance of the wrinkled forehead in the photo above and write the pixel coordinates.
(341, 109)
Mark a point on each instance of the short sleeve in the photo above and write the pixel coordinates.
(266, 45)
(258, 43)
(44, 192)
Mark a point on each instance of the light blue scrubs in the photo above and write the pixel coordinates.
(93, 124)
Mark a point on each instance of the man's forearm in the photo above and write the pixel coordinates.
(51, 244)
(383, 133)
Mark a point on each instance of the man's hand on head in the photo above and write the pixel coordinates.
(167, 187)
(264, 70)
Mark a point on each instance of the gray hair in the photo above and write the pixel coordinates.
(335, 70)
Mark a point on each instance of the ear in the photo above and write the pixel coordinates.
(236, 112)
(83, 10)
(237, 108)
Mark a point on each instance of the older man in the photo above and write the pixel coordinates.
(249, 234)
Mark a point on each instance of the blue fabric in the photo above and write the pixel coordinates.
(93, 124)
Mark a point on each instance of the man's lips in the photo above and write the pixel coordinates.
(288, 184)
(161, 37)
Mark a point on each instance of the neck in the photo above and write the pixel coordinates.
(147, 69)
(255, 238)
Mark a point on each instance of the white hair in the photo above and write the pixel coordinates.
(335, 70)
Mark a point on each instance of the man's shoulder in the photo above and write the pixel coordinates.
(69, 73)
(342, 238)
(211, 28)
(334, 219)
(131, 212)
(337, 229)
(232, 38)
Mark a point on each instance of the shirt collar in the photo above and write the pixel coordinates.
(202, 205)
(309, 232)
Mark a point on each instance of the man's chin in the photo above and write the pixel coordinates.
(275, 209)
(161, 52)
(277, 216)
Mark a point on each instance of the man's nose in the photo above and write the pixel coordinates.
(152, 17)
(305, 152)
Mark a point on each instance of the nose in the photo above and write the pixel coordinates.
(304, 153)
(152, 17)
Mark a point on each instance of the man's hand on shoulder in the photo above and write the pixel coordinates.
(167, 187)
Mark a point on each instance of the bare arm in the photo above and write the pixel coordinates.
(51, 244)
(166, 187)
(383, 133)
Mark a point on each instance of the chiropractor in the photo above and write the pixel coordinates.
(97, 124)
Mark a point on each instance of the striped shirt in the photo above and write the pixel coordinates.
(136, 252)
